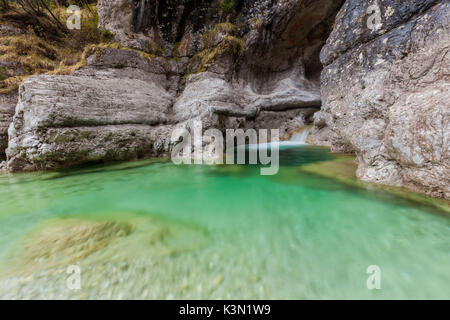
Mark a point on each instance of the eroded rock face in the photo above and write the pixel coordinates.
(257, 43)
(384, 88)
(385, 93)
(62, 121)
(235, 69)
(209, 92)
(7, 108)
(144, 24)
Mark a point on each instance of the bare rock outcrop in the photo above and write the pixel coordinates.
(256, 65)
(381, 82)
(63, 121)
(7, 107)
(209, 92)
(385, 92)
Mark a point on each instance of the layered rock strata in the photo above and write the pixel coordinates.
(385, 92)
(255, 66)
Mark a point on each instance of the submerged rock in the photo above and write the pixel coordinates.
(63, 242)
(118, 247)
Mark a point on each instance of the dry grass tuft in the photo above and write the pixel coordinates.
(225, 28)
(230, 46)
(33, 53)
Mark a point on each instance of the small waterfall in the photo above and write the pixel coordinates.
(138, 14)
(300, 137)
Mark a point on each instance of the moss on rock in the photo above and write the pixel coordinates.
(33, 53)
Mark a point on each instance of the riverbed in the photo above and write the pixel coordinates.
(155, 230)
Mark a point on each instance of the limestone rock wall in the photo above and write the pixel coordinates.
(7, 108)
(124, 106)
(385, 92)
(63, 121)
(255, 65)
(381, 81)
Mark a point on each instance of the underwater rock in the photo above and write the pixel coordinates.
(62, 242)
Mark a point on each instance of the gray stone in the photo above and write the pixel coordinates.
(209, 92)
(62, 121)
(7, 107)
(386, 93)
(383, 92)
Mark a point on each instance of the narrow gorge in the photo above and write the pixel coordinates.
(382, 93)
(359, 90)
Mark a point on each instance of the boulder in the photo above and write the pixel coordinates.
(63, 121)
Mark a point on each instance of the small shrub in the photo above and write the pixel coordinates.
(228, 7)
(3, 74)
(229, 46)
(225, 28)
(35, 52)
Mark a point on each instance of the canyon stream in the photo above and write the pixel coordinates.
(152, 229)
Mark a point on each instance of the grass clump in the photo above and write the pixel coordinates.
(27, 53)
(221, 41)
(30, 52)
(154, 49)
(3, 74)
(230, 46)
(228, 7)
(227, 28)
(35, 52)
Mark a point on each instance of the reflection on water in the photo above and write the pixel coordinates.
(156, 230)
(290, 154)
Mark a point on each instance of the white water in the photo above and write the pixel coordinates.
(298, 139)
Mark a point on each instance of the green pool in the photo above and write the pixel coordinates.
(212, 232)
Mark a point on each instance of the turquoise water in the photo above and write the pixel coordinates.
(228, 232)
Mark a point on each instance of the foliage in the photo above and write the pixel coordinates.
(37, 50)
(230, 46)
(4, 5)
(221, 28)
(228, 7)
(40, 12)
(3, 74)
